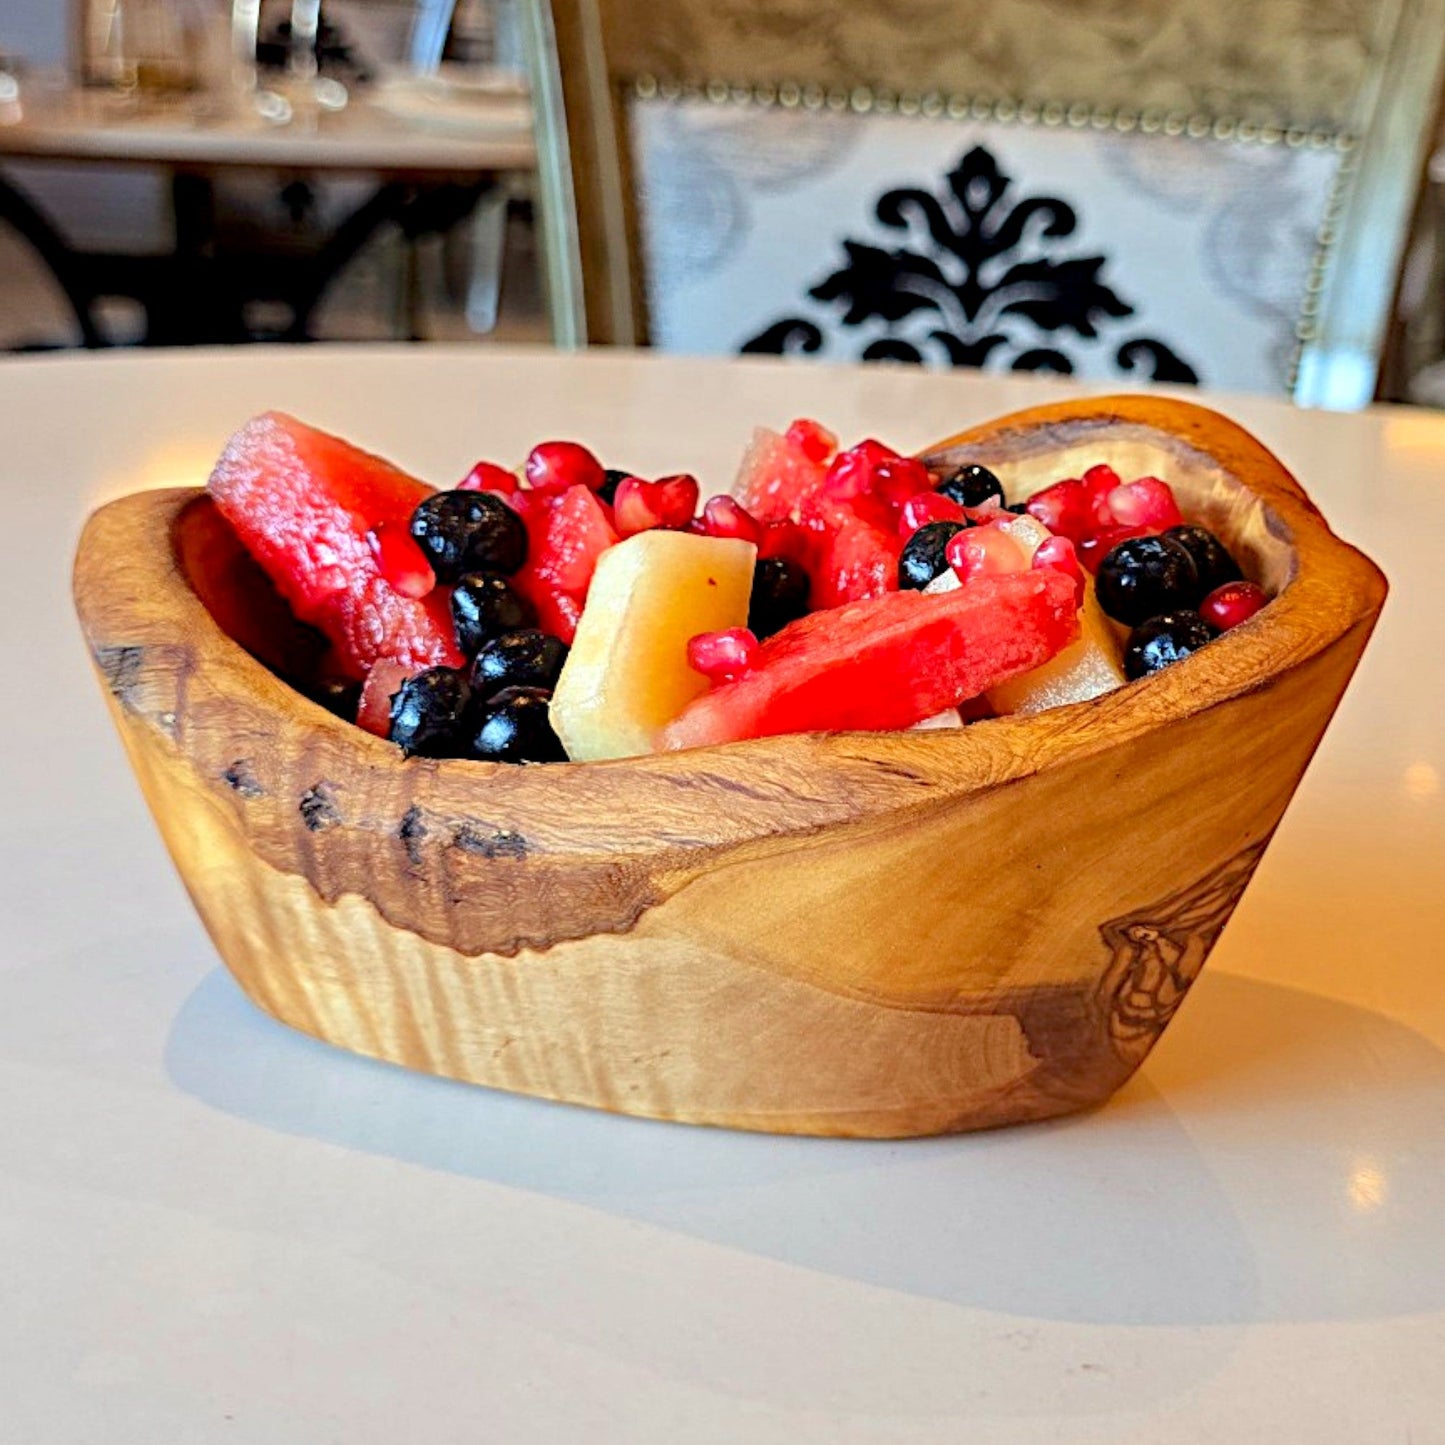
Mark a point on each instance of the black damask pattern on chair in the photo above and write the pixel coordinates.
(984, 279)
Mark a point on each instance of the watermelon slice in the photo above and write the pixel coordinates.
(778, 472)
(887, 663)
(567, 532)
(309, 508)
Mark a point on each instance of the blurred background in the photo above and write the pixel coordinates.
(1243, 196)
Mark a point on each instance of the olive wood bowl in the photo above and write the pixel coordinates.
(872, 934)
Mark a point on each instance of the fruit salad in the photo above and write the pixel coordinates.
(563, 610)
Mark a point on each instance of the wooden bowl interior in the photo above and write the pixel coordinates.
(241, 598)
(1208, 493)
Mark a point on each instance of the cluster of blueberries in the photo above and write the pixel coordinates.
(496, 709)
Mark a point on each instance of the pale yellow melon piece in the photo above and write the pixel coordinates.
(627, 674)
(1086, 668)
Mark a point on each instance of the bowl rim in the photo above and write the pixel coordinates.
(736, 792)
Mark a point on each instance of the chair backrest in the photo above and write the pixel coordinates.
(1177, 189)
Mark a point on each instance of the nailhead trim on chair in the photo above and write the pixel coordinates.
(867, 100)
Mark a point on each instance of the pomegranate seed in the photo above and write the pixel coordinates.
(1231, 604)
(725, 517)
(873, 470)
(900, 478)
(989, 510)
(1093, 549)
(403, 565)
(1058, 554)
(815, 442)
(787, 540)
(984, 552)
(488, 477)
(1099, 481)
(1064, 508)
(1147, 502)
(697, 527)
(555, 466)
(925, 507)
(679, 496)
(722, 656)
(640, 506)
(854, 473)
(385, 679)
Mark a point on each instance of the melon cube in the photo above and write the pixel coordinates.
(627, 674)
(1084, 669)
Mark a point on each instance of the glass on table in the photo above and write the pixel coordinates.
(142, 48)
(301, 94)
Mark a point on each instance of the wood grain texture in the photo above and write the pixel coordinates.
(858, 934)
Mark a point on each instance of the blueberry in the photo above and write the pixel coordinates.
(525, 658)
(428, 712)
(922, 558)
(779, 596)
(339, 695)
(972, 486)
(513, 727)
(469, 532)
(1145, 576)
(1162, 640)
(612, 479)
(483, 607)
(1211, 557)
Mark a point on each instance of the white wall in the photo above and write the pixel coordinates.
(35, 29)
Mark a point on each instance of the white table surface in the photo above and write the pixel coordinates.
(364, 137)
(213, 1229)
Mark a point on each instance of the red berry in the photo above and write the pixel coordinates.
(871, 469)
(1059, 555)
(1231, 604)
(725, 517)
(640, 506)
(925, 507)
(403, 564)
(488, 477)
(984, 552)
(555, 466)
(1093, 549)
(787, 540)
(722, 656)
(1147, 502)
(1064, 508)
(815, 442)
(854, 473)
(1099, 481)
(900, 478)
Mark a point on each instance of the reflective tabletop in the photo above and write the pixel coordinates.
(214, 1229)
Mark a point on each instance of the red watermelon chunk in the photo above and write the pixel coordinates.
(308, 507)
(779, 472)
(566, 533)
(887, 663)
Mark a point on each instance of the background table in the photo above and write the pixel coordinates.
(365, 136)
(216, 1230)
(428, 176)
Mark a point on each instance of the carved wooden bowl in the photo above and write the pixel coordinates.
(856, 934)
